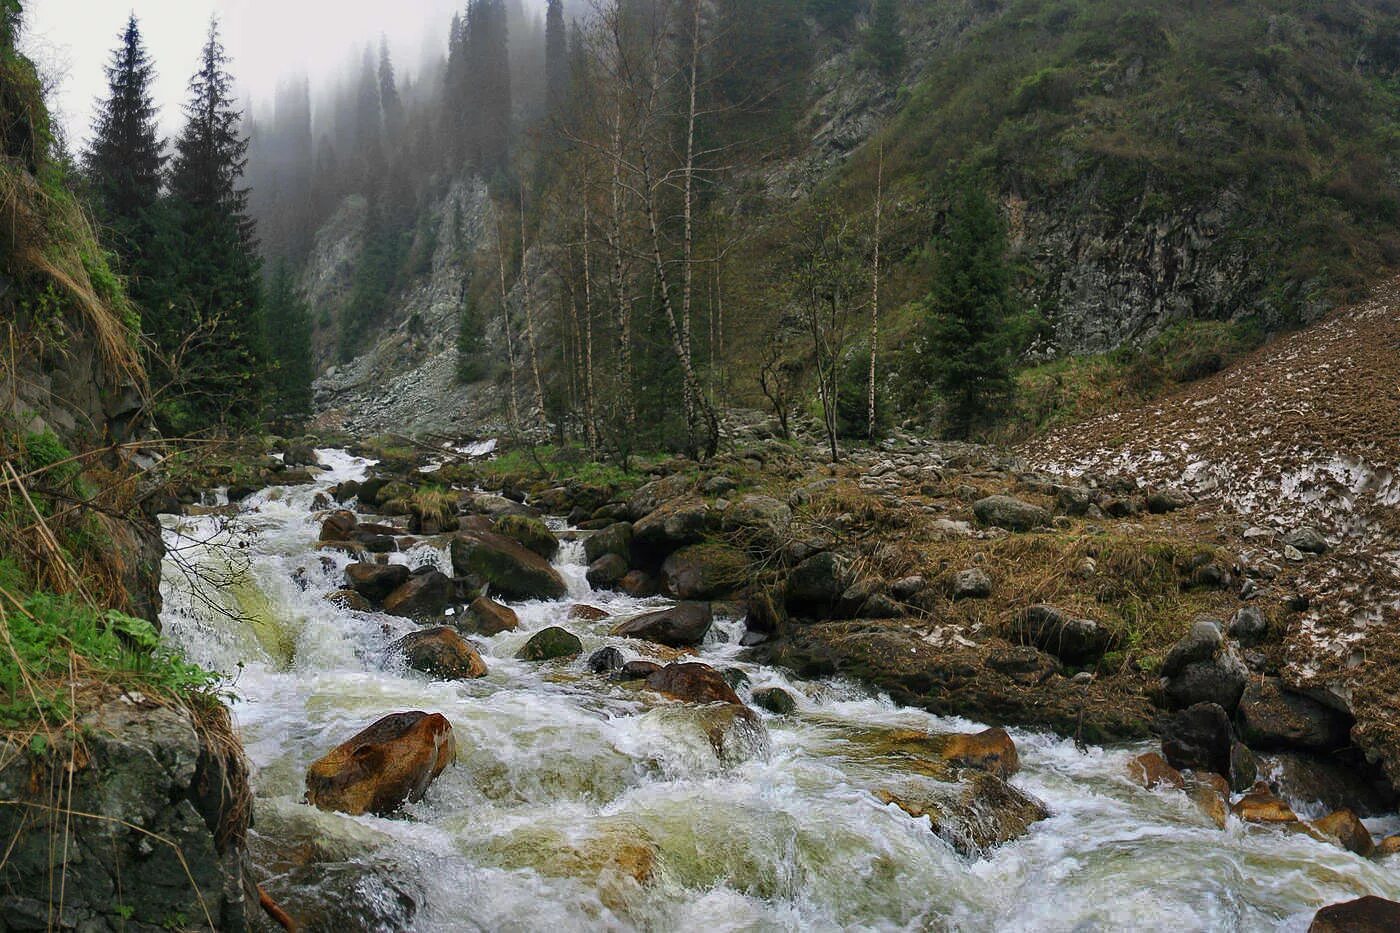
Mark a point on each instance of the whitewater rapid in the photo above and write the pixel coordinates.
(557, 765)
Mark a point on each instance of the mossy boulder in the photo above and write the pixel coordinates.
(705, 571)
(551, 644)
(506, 566)
(531, 533)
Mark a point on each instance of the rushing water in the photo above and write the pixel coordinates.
(564, 776)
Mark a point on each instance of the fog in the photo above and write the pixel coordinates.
(268, 40)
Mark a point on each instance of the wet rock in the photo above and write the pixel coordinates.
(1244, 768)
(1332, 782)
(349, 599)
(509, 568)
(585, 613)
(1203, 668)
(425, 595)
(736, 733)
(669, 528)
(530, 533)
(986, 812)
(638, 583)
(605, 660)
(1151, 770)
(1387, 847)
(441, 653)
(1272, 717)
(487, 617)
(653, 495)
(1368, 914)
(735, 677)
(496, 506)
(1261, 805)
(338, 526)
(1344, 829)
(375, 581)
(989, 750)
(614, 539)
(680, 626)
(550, 644)
(301, 455)
(1198, 737)
(637, 670)
(705, 571)
(1208, 799)
(1010, 513)
(1074, 641)
(775, 700)
(1307, 540)
(1249, 627)
(384, 766)
(765, 615)
(607, 571)
(974, 583)
(692, 682)
(814, 587)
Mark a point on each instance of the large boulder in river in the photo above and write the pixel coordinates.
(694, 683)
(1010, 513)
(814, 587)
(425, 595)
(762, 519)
(681, 626)
(531, 533)
(390, 763)
(1368, 914)
(487, 617)
(607, 571)
(705, 571)
(614, 539)
(376, 581)
(1203, 668)
(989, 750)
(1271, 717)
(1074, 641)
(440, 652)
(1199, 738)
(551, 644)
(653, 495)
(509, 568)
(338, 526)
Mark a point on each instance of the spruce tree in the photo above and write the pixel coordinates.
(212, 273)
(288, 324)
(968, 356)
(390, 104)
(123, 165)
(556, 60)
(884, 39)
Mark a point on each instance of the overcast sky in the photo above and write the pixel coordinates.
(267, 39)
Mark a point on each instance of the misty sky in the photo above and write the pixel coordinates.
(267, 39)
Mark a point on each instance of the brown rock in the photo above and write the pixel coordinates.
(338, 526)
(1208, 800)
(1216, 782)
(637, 670)
(440, 652)
(380, 768)
(425, 595)
(989, 750)
(1387, 847)
(584, 613)
(1345, 828)
(681, 626)
(488, 617)
(375, 581)
(1151, 770)
(348, 599)
(638, 583)
(693, 683)
(1261, 806)
(1364, 915)
(985, 812)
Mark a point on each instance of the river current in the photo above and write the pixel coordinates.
(564, 776)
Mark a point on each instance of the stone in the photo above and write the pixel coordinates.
(1209, 801)
(607, 571)
(1249, 627)
(681, 626)
(1203, 668)
(614, 539)
(736, 677)
(338, 526)
(375, 581)
(1010, 513)
(762, 518)
(775, 700)
(705, 571)
(974, 583)
(1307, 539)
(1200, 644)
(605, 660)
(531, 533)
(1163, 501)
(1198, 737)
(550, 644)
(1074, 641)
(1368, 914)
(585, 613)
(1272, 717)
(989, 750)
(384, 766)
(1151, 770)
(1387, 847)
(908, 588)
(637, 583)
(692, 682)
(1074, 500)
(1331, 782)
(440, 652)
(765, 614)
(669, 528)
(653, 495)
(349, 599)
(1345, 829)
(510, 569)
(425, 595)
(637, 670)
(300, 455)
(814, 587)
(983, 813)
(486, 617)
(1261, 805)
(1244, 767)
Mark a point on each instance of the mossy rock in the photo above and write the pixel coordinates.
(529, 532)
(550, 645)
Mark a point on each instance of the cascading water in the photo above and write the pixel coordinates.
(569, 786)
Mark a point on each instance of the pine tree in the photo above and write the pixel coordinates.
(123, 166)
(556, 60)
(389, 101)
(369, 123)
(884, 39)
(486, 70)
(288, 324)
(211, 276)
(968, 348)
